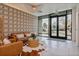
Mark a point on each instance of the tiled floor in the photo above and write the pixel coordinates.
(59, 47)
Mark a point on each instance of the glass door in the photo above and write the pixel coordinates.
(62, 26)
(54, 27)
(69, 27)
(58, 27)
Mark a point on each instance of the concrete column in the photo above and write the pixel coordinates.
(77, 26)
(74, 24)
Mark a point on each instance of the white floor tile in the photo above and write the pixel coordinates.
(60, 47)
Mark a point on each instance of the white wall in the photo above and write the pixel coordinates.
(75, 25)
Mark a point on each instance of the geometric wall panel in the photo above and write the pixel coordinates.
(15, 20)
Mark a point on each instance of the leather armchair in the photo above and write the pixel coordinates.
(13, 49)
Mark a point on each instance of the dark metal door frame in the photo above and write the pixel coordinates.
(58, 27)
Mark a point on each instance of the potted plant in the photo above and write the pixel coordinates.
(33, 42)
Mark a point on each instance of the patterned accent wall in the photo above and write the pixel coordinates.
(15, 20)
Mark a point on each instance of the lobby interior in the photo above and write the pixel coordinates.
(39, 29)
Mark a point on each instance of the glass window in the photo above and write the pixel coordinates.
(45, 27)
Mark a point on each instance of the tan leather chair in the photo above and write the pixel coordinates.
(13, 49)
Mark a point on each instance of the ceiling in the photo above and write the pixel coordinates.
(47, 8)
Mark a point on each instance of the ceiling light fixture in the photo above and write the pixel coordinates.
(34, 7)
